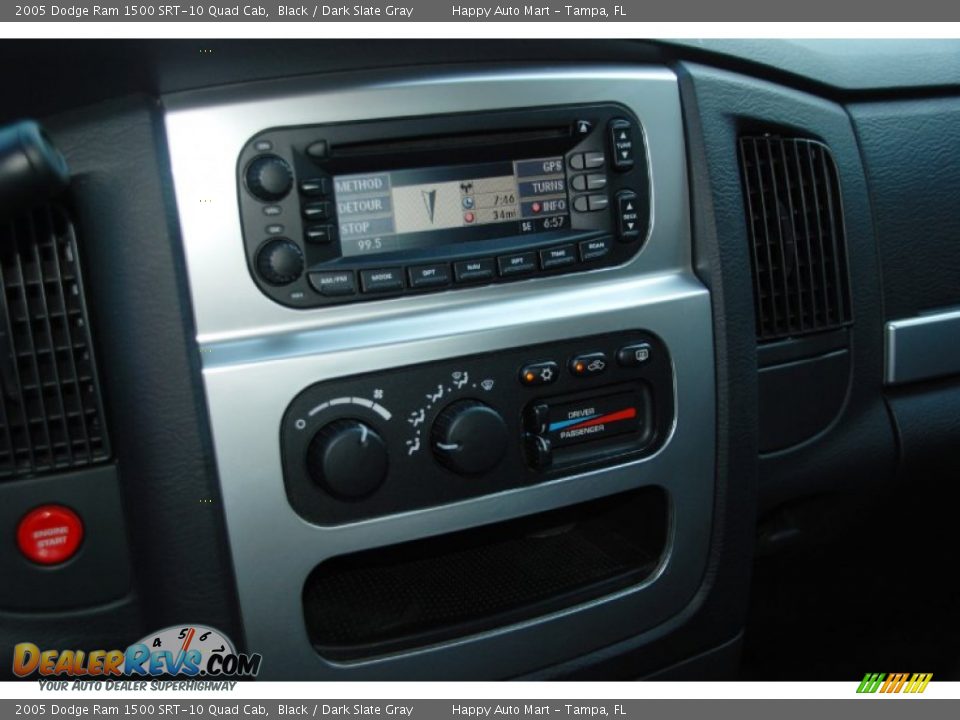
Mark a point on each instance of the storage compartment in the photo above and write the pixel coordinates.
(410, 595)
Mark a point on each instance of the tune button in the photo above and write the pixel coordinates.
(621, 143)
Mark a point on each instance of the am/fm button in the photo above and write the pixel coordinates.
(50, 534)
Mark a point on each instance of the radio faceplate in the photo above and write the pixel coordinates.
(347, 212)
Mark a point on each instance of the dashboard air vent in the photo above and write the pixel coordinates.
(52, 416)
(795, 220)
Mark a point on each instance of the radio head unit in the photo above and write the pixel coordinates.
(355, 211)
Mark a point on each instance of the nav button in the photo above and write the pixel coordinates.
(473, 270)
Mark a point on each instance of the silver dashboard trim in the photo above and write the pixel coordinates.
(923, 347)
(257, 355)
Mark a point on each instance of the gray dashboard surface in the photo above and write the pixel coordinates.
(851, 65)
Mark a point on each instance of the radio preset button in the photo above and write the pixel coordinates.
(381, 280)
(594, 249)
(317, 150)
(588, 364)
(426, 276)
(333, 284)
(540, 373)
(317, 210)
(621, 143)
(473, 270)
(597, 202)
(320, 234)
(628, 219)
(518, 264)
(557, 257)
(315, 187)
(592, 160)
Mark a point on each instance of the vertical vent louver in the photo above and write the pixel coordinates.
(52, 417)
(795, 220)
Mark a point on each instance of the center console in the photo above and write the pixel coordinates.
(458, 368)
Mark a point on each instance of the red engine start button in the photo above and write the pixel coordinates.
(50, 534)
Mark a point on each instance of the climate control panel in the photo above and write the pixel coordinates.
(424, 435)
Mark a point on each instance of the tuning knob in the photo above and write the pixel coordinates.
(469, 437)
(280, 261)
(348, 459)
(269, 177)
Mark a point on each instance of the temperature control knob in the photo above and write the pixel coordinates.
(469, 437)
(348, 459)
(269, 177)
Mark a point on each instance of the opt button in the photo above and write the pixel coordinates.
(50, 534)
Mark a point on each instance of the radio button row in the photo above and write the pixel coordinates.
(473, 270)
(315, 187)
(320, 234)
(428, 276)
(628, 219)
(519, 264)
(557, 257)
(589, 364)
(333, 284)
(592, 181)
(621, 142)
(382, 280)
(594, 249)
(541, 373)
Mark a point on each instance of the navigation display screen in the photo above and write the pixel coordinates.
(402, 209)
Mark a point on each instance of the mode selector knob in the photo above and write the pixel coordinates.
(269, 177)
(348, 459)
(469, 437)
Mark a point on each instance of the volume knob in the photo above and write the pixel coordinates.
(348, 459)
(469, 437)
(269, 177)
